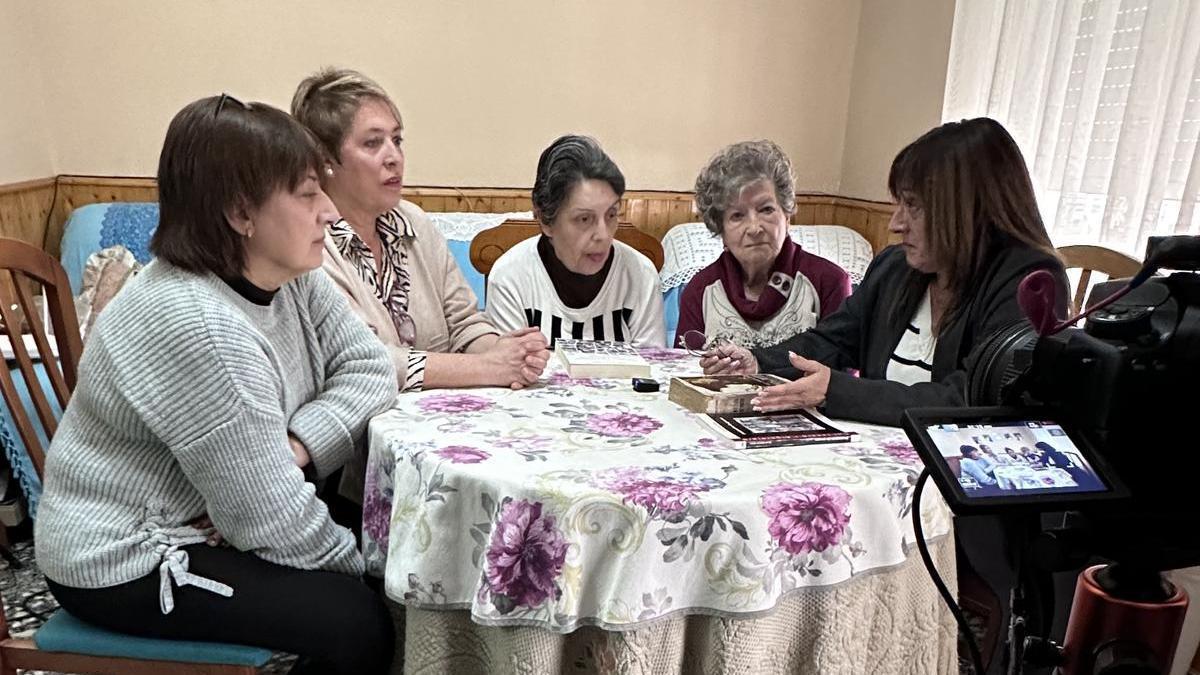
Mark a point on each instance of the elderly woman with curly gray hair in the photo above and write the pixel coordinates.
(763, 288)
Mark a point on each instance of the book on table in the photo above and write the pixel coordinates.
(591, 358)
(750, 430)
(717, 394)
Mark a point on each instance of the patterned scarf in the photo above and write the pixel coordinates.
(779, 283)
(389, 278)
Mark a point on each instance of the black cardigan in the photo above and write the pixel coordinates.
(862, 334)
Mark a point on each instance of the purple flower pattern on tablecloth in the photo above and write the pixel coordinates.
(663, 495)
(377, 506)
(525, 557)
(621, 424)
(462, 454)
(807, 516)
(660, 355)
(560, 378)
(901, 451)
(454, 403)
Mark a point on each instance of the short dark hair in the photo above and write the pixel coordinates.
(219, 154)
(570, 160)
(968, 450)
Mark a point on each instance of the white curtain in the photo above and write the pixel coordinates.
(1103, 96)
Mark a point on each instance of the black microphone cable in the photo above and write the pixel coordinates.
(947, 597)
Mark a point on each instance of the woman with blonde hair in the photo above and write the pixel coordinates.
(390, 260)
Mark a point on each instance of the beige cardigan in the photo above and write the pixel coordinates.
(443, 307)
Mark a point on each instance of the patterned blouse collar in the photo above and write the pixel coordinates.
(392, 225)
(389, 277)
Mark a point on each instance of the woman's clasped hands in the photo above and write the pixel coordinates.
(520, 357)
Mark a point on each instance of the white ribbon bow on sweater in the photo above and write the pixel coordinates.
(175, 567)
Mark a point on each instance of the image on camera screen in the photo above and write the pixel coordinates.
(1013, 458)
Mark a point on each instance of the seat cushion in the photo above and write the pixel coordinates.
(65, 633)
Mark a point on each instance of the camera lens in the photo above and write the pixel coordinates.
(1000, 360)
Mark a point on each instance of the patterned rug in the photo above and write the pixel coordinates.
(28, 603)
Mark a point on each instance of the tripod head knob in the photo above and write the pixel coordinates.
(1125, 657)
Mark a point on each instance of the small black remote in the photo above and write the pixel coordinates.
(645, 384)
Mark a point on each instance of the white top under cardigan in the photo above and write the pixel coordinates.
(628, 308)
(912, 360)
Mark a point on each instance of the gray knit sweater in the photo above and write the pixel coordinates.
(186, 395)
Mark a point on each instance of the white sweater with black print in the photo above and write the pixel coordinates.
(628, 308)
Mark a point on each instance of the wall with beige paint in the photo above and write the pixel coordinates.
(25, 147)
(897, 87)
(485, 86)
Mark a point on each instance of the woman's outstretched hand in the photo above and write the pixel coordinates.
(806, 391)
(727, 358)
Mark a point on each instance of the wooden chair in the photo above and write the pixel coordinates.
(490, 244)
(25, 267)
(1090, 259)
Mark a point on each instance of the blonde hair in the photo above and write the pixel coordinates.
(327, 101)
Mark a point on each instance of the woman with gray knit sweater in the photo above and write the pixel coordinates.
(175, 501)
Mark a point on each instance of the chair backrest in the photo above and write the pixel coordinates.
(490, 244)
(1088, 259)
(26, 266)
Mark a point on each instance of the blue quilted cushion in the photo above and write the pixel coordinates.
(97, 226)
(65, 633)
(461, 250)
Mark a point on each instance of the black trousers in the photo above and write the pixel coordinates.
(332, 621)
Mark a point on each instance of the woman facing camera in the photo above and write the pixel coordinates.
(212, 385)
(575, 281)
(387, 257)
(970, 231)
(764, 288)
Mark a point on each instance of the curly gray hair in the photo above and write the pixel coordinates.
(735, 167)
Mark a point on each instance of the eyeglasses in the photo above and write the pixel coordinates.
(706, 343)
(221, 103)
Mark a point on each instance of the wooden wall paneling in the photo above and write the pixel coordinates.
(653, 212)
(683, 212)
(634, 211)
(25, 209)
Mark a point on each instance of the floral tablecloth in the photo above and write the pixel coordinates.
(582, 503)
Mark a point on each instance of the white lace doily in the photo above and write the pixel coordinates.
(463, 226)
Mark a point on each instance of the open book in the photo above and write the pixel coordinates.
(587, 358)
(785, 427)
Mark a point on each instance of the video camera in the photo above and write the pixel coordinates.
(1094, 420)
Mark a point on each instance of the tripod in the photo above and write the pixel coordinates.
(1124, 619)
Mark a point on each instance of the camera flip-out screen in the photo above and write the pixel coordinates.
(991, 459)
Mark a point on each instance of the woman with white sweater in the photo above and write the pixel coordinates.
(176, 503)
(575, 281)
